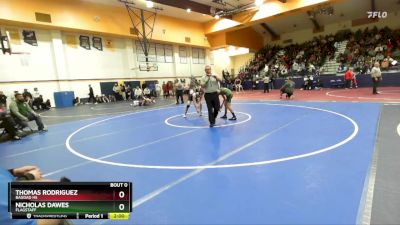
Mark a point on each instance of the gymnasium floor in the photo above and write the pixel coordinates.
(315, 160)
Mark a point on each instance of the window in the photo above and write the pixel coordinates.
(140, 53)
(183, 54)
(157, 53)
(198, 56)
(169, 54)
(160, 53)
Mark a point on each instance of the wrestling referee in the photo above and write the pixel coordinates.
(210, 84)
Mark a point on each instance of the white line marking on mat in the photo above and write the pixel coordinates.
(315, 152)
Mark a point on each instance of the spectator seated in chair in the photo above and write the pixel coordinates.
(77, 101)
(37, 99)
(47, 104)
(22, 113)
(238, 85)
(8, 123)
(104, 98)
(3, 98)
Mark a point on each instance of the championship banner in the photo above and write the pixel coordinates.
(97, 43)
(15, 37)
(30, 37)
(84, 42)
(71, 41)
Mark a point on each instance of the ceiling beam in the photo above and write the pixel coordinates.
(270, 31)
(185, 4)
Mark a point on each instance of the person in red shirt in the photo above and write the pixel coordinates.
(165, 89)
(348, 77)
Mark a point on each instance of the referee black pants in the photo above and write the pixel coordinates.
(212, 101)
(179, 94)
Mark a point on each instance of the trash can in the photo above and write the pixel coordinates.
(64, 99)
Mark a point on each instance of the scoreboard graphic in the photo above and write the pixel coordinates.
(75, 200)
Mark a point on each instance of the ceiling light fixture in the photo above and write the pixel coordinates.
(216, 16)
(149, 4)
(188, 10)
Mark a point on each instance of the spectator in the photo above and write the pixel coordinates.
(112, 98)
(295, 68)
(37, 99)
(238, 85)
(8, 123)
(341, 68)
(306, 83)
(128, 92)
(46, 105)
(165, 89)
(3, 98)
(146, 92)
(104, 98)
(22, 113)
(27, 94)
(116, 90)
(158, 89)
(170, 88)
(385, 64)
(28, 97)
(98, 99)
(123, 91)
(138, 93)
(76, 101)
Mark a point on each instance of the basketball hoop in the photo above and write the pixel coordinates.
(143, 24)
(148, 67)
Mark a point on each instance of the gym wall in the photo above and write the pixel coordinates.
(56, 65)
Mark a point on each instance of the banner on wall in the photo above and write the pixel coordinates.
(84, 42)
(30, 37)
(97, 43)
(15, 37)
(109, 44)
(71, 41)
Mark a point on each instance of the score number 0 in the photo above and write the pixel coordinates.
(121, 195)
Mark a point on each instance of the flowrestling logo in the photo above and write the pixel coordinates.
(377, 14)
